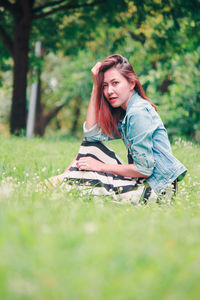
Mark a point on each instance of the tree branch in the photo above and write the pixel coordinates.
(7, 5)
(6, 41)
(52, 113)
(40, 8)
(68, 6)
(140, 38)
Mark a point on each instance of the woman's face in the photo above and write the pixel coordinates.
(117, 89)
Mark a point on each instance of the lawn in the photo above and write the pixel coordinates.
(60, 245)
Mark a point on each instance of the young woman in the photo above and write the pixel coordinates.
(119, 108)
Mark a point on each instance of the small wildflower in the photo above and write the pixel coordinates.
(90, 227)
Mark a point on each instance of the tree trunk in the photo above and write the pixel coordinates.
(77, 112)
(21, 48)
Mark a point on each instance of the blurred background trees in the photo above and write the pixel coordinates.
(160, 38)
(61, 24)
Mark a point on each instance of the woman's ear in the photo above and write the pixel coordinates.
(132, 85)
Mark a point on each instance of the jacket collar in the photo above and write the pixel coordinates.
(133, 98)
(130, 103)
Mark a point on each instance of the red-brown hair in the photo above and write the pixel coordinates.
(107, 116)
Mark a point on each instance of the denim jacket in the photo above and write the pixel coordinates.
(146, 139)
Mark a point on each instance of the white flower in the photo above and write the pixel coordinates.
(6, 190)
(90, 227)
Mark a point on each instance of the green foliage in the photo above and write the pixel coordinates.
(67, 29)
(180, 106)
(4, 54)
(73, 21)
(184, 94)
(68, 81)
(60, 245)
(5, 96)
(161, 40)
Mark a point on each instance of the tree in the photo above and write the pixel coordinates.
(68, 81)
(162, 40)
(19, 21)
(152, 49)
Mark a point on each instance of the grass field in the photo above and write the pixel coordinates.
(59, 245)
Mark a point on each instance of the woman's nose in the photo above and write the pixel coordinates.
(110, 89)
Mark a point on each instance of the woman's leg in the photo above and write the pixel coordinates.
(100, 183)
(69, 165)
(54, 180)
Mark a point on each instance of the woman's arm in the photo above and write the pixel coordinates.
(122, 170)
(91, 164)
(91, 113)
(140, 134)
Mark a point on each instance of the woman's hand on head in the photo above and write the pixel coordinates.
(95, 71)
(89, 164)
(91, 118)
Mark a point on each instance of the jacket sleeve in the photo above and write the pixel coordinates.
(95, 134)
(140, 138)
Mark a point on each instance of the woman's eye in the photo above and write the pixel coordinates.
(115, 82)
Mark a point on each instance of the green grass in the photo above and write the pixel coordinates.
(59, 245)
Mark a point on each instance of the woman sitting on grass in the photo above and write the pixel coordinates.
(119, 108)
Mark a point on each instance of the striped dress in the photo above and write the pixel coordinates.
(126, 189)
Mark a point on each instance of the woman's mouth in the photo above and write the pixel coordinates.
(112, 99)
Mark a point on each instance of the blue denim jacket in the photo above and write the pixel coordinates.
(146, 139)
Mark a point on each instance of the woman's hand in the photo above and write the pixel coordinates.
(89, 164)
(91, 119)
(95, 71)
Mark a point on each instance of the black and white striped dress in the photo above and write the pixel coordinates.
(128, 189)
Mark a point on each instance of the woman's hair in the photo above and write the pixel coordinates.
(107, 116)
